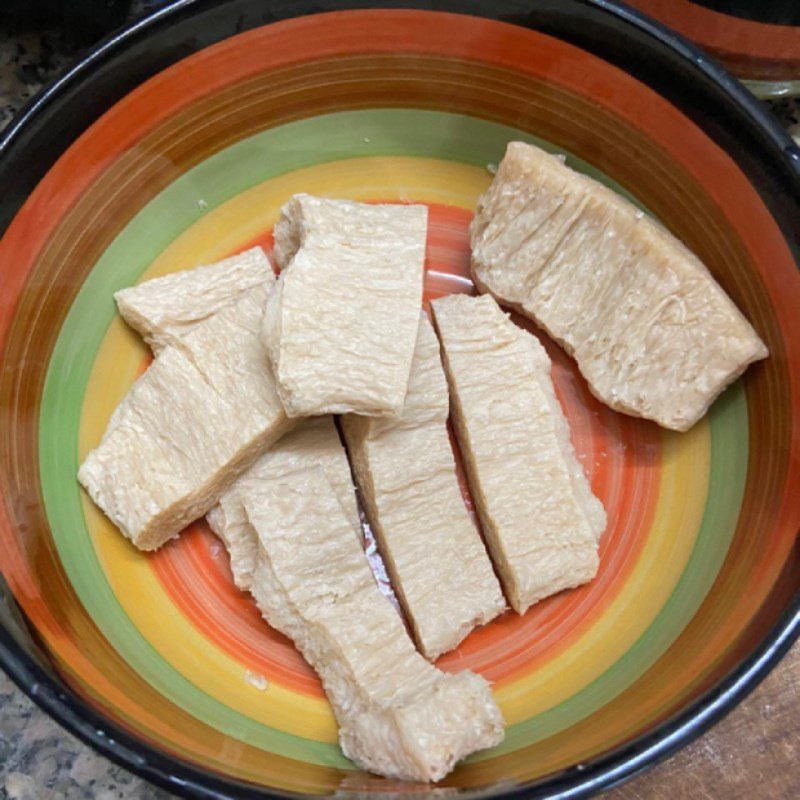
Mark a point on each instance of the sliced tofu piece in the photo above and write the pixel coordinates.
(540, 518)
(651, 330)
(163, 310)
(405, 470)
(203, 412)
(314, 442)
(398, 715)
(341, 327)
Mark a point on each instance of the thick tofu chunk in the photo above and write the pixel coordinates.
(163, 310)
(314, 442)
(203, 412)
(407, 476)
(651, 330)
(341, 327)
(398, 715)
(540, 519)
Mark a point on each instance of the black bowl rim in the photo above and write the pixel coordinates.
(188, 780)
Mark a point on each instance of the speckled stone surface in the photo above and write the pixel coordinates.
(27, 60)
(41, 761)
(31, 56)
(788, 112)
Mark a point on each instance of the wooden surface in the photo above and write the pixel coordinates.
(752, 754)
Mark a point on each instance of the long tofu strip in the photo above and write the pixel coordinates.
(314, 442)
(405, 469)
(398, 715)
(200, 416)
(163, 310)
(540, 519)
(651, 330)
(341, 327)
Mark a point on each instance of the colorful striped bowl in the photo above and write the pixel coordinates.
(174, 144)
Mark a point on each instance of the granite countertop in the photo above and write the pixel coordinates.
(41, 761)
(27, 60)
(38, 759)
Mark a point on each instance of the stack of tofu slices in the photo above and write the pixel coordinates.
(234, 420)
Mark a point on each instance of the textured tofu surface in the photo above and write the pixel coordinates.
(398, 715)
(314, 442)
(341, 327)
(651, 330)
(540, 519)
(406, 472)
(203, 412)
(163, 310)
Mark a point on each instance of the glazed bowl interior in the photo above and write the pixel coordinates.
(175, 145)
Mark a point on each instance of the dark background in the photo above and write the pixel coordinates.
(774, 12)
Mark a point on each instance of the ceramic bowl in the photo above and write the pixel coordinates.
(758, 42)
(174, 143)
